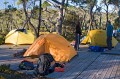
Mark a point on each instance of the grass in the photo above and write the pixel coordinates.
(7, 73)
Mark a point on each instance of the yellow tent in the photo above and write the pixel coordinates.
(19, 36)
(54, 44)
(98, 38)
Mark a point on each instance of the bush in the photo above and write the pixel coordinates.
(2, 39)
(7, 73)
(69, 36)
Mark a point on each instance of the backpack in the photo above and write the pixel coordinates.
(43, 64)
(26, 65)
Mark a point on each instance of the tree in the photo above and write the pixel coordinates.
(40, 4)
(116, 23)
(106, 2)
(98, 12)
(90, 4)
(5, 2)
(60, 6)
(117, 4)
(45, 5)
(28, 18)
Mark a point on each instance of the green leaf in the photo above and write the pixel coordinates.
(45, 4)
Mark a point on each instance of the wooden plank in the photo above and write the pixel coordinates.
(101, 73)
(80, 67)
(92, 68)
(112, 76)
(82, 56)
(99, 66)
(117, 76)
(113, 63)
(105, 66)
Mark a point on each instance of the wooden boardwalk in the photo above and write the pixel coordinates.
(86, 65)
(91, 65)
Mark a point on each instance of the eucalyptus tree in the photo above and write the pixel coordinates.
(106, 2)
(117, 4)
(98, 10)
(5, 2)
(28, 17)
(49, 16)
(90, 4)
(60, 6)
(39, 18)
(45, 5)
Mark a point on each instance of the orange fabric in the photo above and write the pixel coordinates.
(59, 69)
(54, 44)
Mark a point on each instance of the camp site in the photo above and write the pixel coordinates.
(59, 39)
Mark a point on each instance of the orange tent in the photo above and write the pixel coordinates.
(54, 44)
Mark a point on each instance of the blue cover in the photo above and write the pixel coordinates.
(96, 49)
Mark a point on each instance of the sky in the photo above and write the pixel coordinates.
(11, 2)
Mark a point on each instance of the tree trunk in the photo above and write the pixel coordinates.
(7, 25)
(39, 18)
(26, 14)
(96, 25)
(100, 20)
(118, 8)
(60, 19)
(28, 20)
(91, 18)
(84, 21)
(107, 13)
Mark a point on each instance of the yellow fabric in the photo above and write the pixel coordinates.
(98, 38)
(54, 44)
(17, 37)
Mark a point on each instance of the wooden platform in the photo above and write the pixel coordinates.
(87, 65)
(91, 65)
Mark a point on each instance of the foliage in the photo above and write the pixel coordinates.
(116, 23)
(13, 19)
(4, 68)
(2, 38)
(11, 8)
(7, 73)
(72, 15)
(45, 4)
(114, 2)
(70, 18)
(21, 1)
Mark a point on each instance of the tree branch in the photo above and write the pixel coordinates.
(56, 2)
(53, 4)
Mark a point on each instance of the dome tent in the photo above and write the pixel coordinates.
(54, 44)
(19, 36)
(98, 38)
